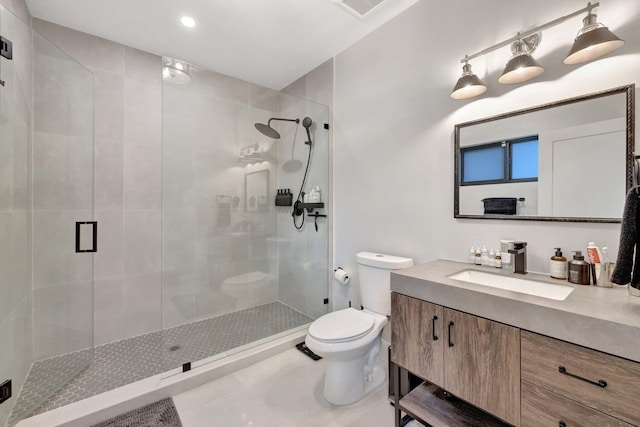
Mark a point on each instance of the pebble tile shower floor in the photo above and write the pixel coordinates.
(126, 361)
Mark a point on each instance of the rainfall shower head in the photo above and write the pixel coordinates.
(267, 130)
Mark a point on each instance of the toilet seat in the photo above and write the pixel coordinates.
(342, 325)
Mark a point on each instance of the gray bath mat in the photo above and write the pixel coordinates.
(161, 414)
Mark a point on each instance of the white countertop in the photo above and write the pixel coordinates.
(606, 319)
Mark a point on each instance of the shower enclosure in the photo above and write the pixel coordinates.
(235, 271)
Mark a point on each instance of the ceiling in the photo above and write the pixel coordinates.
(271, 43)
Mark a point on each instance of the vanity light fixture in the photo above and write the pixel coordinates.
(468, 85)
(522, 67)
(593, 41)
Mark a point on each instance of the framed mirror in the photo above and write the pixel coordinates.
(256, 191)
(569, 160)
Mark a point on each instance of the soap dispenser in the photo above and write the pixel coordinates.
(558, 265)
(578, 269)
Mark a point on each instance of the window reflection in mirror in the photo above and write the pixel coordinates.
(569, 160)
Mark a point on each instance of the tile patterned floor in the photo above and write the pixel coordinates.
(126, 361)
(285, 391)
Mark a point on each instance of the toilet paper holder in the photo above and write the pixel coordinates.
(341, 276)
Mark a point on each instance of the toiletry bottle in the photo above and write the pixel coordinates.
(578, 269)
(558, 265)
(472, 255)
(317, 194)
(492, 258)
(484, 256)
(478, 256)
(606, 270)
(595, 257)
(497, 262)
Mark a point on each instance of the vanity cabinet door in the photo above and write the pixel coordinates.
(416, 337)
(482, 363)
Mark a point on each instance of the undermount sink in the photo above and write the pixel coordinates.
(531, 287)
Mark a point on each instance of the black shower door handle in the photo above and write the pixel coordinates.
(94, 225)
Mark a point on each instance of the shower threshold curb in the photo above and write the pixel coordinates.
(112, 403)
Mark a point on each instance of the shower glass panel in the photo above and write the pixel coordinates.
(235, 270)
(62, 196)
(15, 217)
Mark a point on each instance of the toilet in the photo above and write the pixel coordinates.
(349, 339)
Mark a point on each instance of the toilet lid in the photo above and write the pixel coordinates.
(341, 325)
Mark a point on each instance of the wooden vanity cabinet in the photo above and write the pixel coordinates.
(482, 364)
(416, 337)
(475, 359)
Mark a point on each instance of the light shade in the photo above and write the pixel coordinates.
(521, 67)
(176, 71)
(468, 85)
(593, 41)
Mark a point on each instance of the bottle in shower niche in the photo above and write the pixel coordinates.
(558, 265)
(578, 269)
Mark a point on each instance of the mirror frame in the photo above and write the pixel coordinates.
(629, 90)
(258, 208)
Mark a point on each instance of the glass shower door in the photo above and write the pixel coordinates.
(15, 278)
(64, 236)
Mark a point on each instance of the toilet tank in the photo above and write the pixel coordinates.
(374, 270)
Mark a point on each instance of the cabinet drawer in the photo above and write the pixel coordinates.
(542, 358)
(541, 408)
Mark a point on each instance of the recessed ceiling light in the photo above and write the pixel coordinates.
(188, 21)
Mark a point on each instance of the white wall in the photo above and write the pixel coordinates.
(393, 125)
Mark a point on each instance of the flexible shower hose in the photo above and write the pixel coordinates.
(295, 205)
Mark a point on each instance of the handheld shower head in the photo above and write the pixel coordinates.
(267, 130)
(307, 122)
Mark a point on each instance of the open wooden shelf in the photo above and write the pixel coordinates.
(429, 403)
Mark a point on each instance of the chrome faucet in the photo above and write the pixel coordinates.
(519, 254)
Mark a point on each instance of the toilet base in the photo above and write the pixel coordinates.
(347, 381)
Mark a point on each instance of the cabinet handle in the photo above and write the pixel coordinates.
(600, 383)
(433, 327)
(562, 424)
(450, 326)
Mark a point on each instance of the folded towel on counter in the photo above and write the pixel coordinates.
(627, 268)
